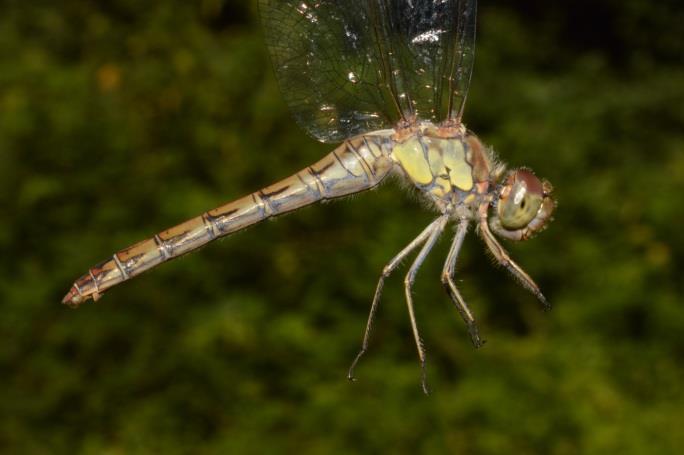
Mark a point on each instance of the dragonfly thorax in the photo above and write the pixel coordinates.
(463, 179)
(454, 171)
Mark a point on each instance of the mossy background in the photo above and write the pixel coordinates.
(121, 118)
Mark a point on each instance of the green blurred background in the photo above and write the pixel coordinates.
(122, 118)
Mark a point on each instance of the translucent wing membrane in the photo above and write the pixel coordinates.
(346, 67)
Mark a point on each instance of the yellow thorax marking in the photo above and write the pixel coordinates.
(460, 172)
(411, 157)
(445, 164)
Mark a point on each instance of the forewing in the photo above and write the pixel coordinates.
(434, 48)
(346, 67)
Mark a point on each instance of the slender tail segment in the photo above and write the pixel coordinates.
(356, 165)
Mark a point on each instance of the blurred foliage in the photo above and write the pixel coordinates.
(120, 118)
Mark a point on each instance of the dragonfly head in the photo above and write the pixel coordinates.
(523, 205)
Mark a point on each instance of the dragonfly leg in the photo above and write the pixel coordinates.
(505, 260)
(448, 281)
(408, 284)
(386, 271)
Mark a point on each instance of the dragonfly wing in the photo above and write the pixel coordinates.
(435, 42)
(346, 67)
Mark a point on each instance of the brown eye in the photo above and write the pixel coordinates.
(520, 200)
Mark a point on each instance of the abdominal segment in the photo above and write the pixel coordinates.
(356, 165)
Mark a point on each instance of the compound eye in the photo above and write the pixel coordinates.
(520, 199)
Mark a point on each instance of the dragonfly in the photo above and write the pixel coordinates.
(385, 80)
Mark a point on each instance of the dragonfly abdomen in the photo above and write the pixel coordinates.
(356, 165)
